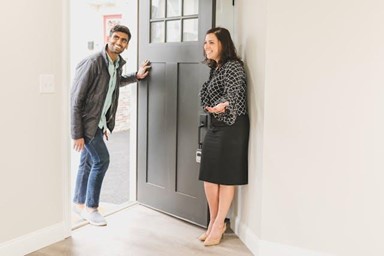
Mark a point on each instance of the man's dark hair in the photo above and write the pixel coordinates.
(120, 28)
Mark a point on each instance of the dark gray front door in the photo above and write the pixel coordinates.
(171, 36)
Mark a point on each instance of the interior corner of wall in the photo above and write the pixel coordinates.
(246, 235)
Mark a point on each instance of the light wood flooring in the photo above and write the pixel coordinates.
(141, 231)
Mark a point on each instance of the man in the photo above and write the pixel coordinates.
(94, 99)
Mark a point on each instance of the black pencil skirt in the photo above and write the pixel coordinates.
(224, 156)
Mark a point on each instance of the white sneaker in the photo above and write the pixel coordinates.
(94, 217)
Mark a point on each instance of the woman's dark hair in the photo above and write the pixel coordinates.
(120, 28)
(228, 50)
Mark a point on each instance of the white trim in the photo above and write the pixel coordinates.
(65, 147)
(34, 241)
(133, 146)
(134, 7)
(260, 247)
(267, 248)
(247, 236)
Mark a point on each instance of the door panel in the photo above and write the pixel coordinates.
(168, 107)
(157, 124)
(188, 107)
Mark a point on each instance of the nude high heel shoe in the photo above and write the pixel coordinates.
(203, 236)
(215, 241)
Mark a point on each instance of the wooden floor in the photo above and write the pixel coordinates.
(140, 231)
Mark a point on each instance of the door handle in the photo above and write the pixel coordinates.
(202, 123)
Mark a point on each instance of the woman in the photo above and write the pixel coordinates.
(224, 160)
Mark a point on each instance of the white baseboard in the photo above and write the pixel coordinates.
(35, 240)
(247, 236)
(260, 247)
(276, 249)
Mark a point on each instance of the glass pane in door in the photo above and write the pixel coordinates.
(157, 9)
(173, 31)
(173, 8)
(157, 32)
(190, 30)
(191, 7)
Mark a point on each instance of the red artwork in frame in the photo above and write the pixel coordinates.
(109, 22)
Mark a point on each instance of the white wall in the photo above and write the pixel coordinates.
(315, 101)
(322, 115)
(249, 35)
(225, 15)
(34, 152)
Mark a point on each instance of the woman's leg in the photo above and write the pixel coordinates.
(226, 194)
(212, 195)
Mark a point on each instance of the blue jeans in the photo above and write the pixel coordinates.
(94, 162)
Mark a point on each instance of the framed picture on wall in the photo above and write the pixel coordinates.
(110, 21)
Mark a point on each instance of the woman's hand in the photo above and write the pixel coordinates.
(219, 108)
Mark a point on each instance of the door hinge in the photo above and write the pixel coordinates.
(233, 2)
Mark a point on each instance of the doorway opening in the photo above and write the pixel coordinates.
(90, 22)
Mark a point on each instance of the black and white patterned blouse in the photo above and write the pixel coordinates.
(227, 83)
